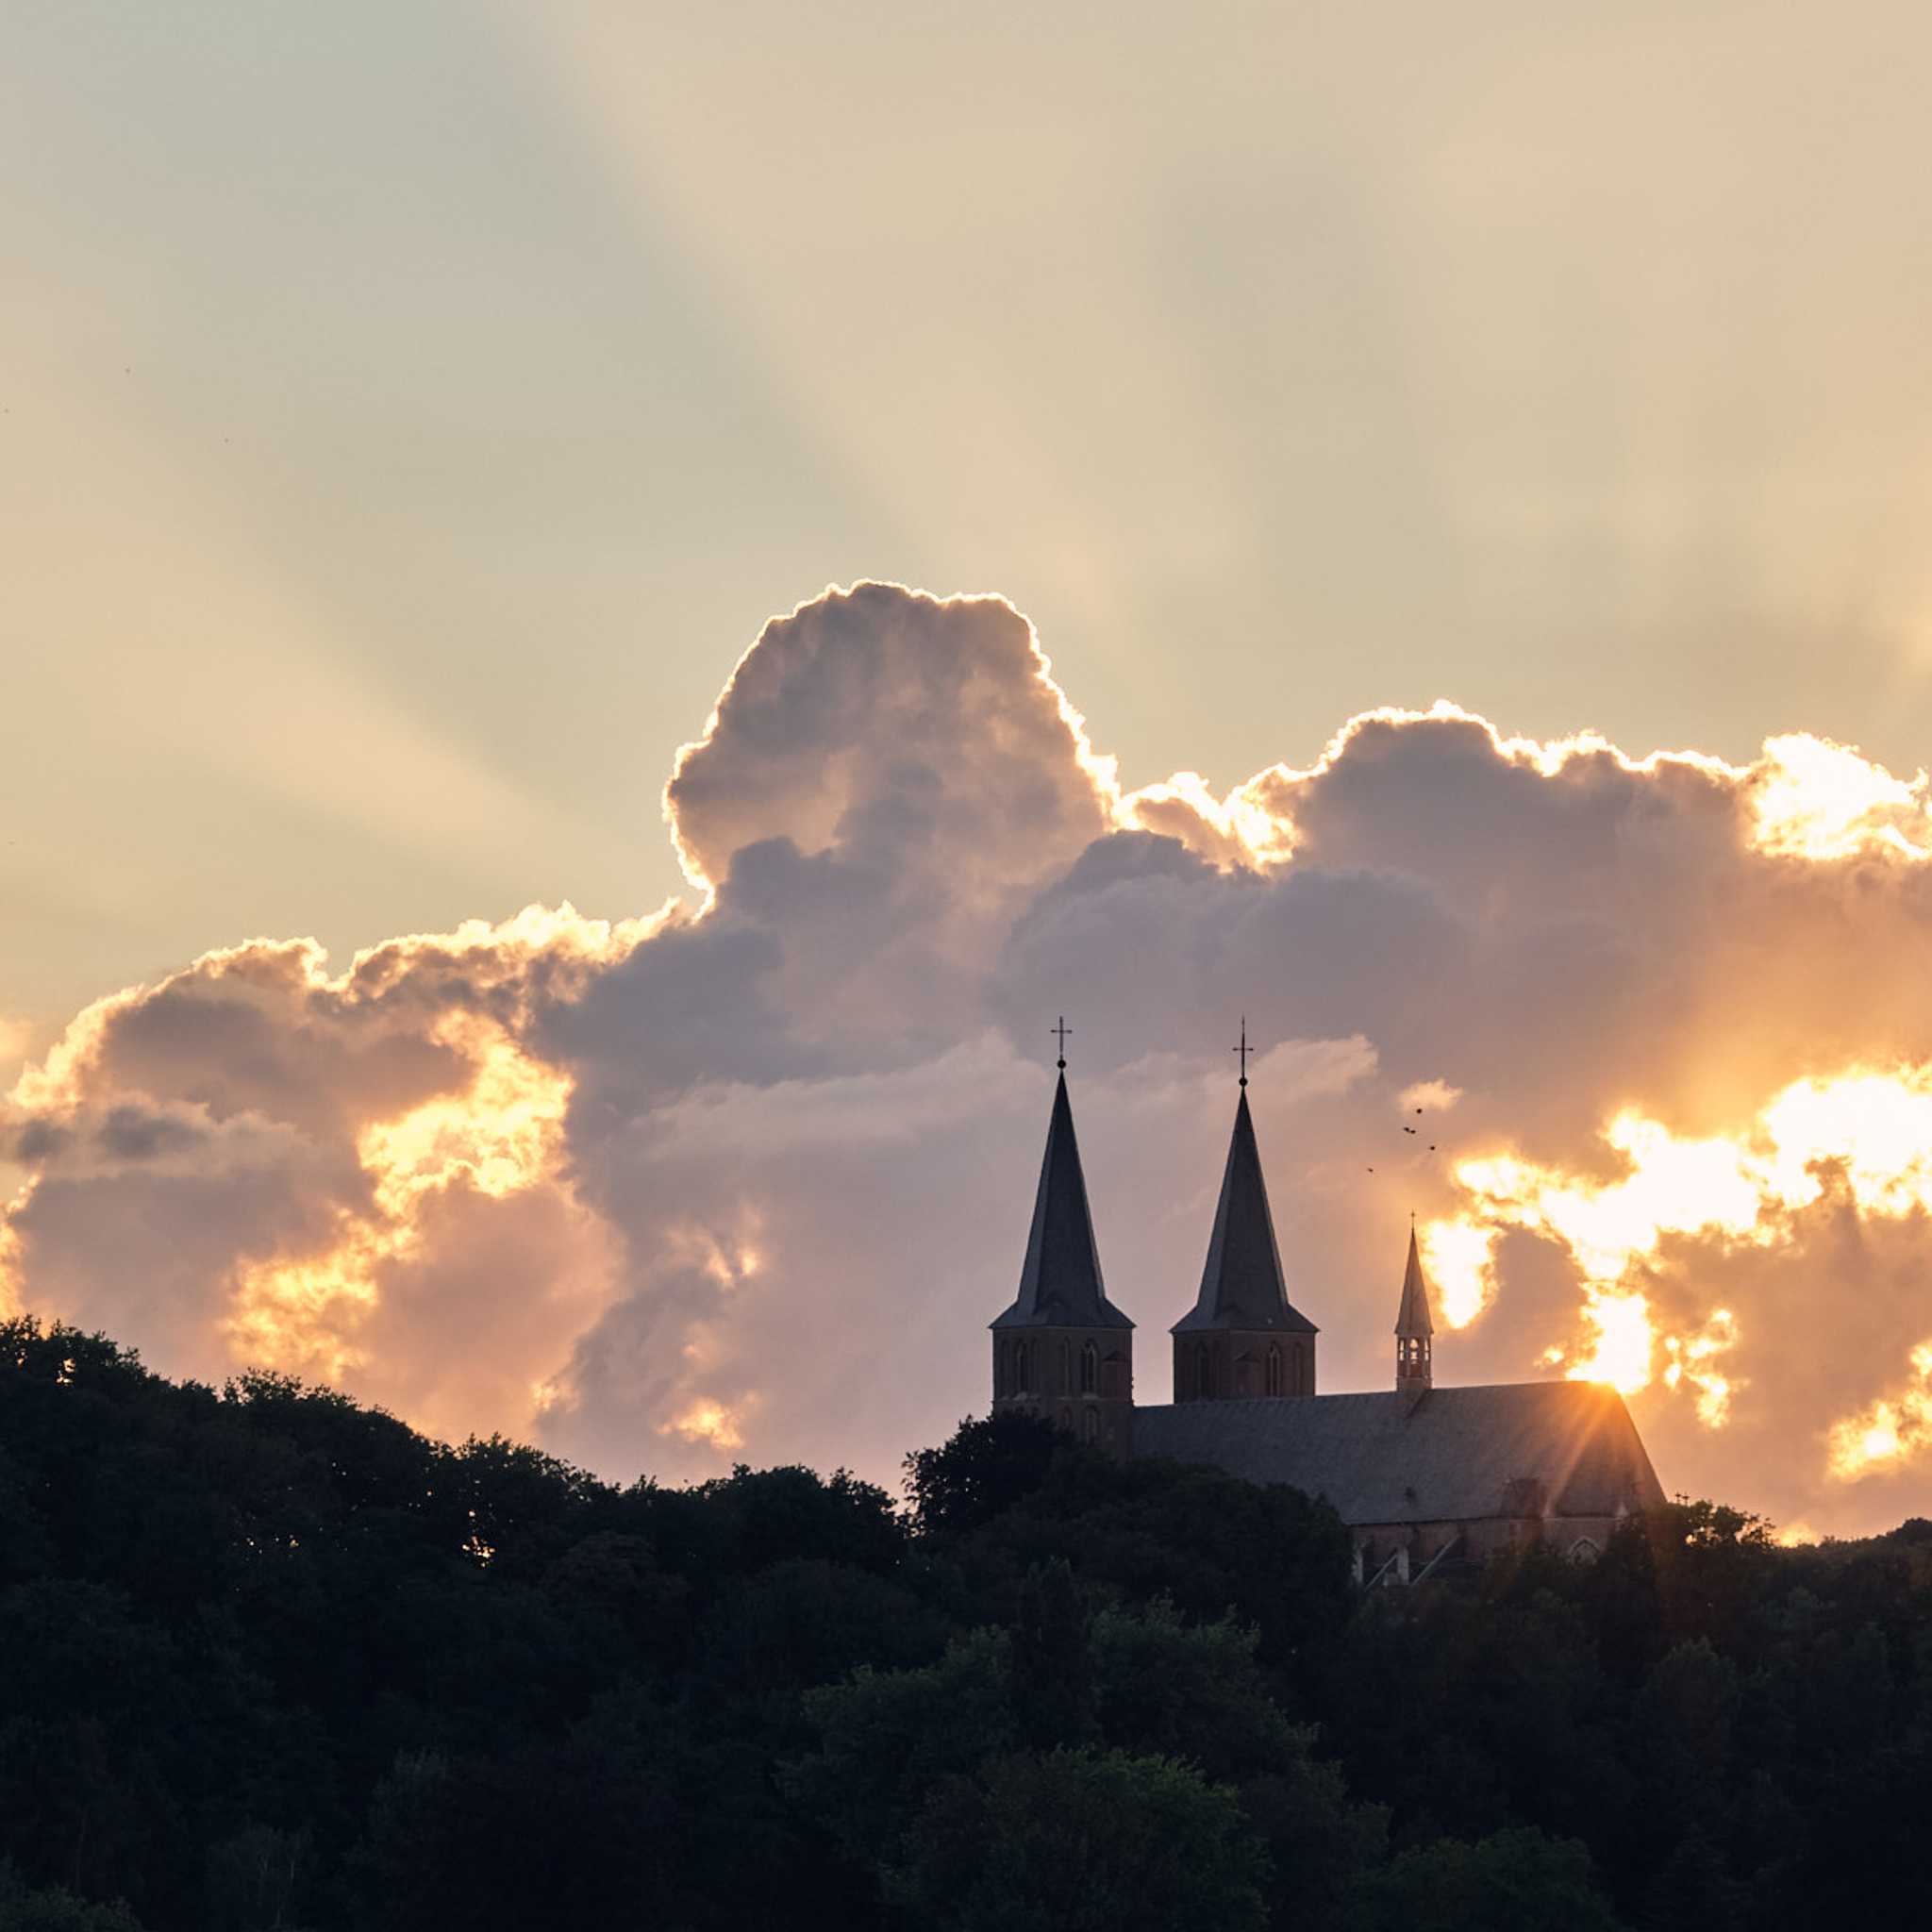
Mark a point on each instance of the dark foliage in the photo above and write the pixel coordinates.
(269, 1660)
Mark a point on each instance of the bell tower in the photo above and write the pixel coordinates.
(1062, 1349)
(1414, 1330)
(1243, 1335)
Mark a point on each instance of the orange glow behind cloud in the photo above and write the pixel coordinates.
(1875, 1128)
(502, 1134)
(496, 1128)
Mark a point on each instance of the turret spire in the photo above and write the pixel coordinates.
(1414, 1370)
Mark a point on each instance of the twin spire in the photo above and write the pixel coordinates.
(1243, 1306)
(1241, 1287)
(1059, 1280)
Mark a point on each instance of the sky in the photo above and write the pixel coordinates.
(413, 412)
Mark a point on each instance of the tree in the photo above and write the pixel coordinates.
(1082, 1841)
(1514, 1881)
(56, 1909)
(1195, 1693)
(1053, 1700)
(980, 1472)
(887, 1737)
(1711, 1563)
(1684, 1719)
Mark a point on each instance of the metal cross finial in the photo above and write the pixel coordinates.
(1244, 1049)
(1061, 1030)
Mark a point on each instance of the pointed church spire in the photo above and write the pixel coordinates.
(1059, 1280)
(1414, 1318)
(1414, 1370)
(1241, 1284)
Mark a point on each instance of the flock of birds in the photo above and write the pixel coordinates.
(1417, 1131)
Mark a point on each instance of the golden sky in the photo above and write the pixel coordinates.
(411, 413)
(411, 410)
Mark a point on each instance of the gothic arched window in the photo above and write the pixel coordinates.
(1274, 1370)
(1091, 1425)
(1089, 1369)
(1204, 1379)
(1066, 1368)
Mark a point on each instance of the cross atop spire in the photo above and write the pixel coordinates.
(1244, 1049)
(1061, 1030)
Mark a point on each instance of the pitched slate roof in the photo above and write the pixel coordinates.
(1452, 1455)
(1413, 1318)
(1059, 1280)
(1241, 1284)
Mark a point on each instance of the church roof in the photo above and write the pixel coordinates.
(1241, 1284)
(1059, 1280)
(1452, 1455)
(1413, 1319)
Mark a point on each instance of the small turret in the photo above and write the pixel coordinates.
(1414, 1372)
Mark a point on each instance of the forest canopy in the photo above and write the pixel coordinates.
(275, 1661)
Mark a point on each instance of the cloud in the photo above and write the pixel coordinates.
(746, 1176)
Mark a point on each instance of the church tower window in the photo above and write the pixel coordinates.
(1274, 1370)
(1089, 1369)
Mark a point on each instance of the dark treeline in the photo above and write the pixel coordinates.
(270, 1659)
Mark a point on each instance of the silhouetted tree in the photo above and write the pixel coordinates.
(980, 1471)
(1082, 1841)
(1514, 1881)
(270, 1659)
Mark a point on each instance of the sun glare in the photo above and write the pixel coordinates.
(1867, 1130)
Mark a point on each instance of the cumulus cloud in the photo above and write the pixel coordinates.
(746, 1176)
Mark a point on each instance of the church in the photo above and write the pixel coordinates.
(1424, 1478)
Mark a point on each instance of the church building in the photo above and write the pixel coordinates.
(1424, 1477)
